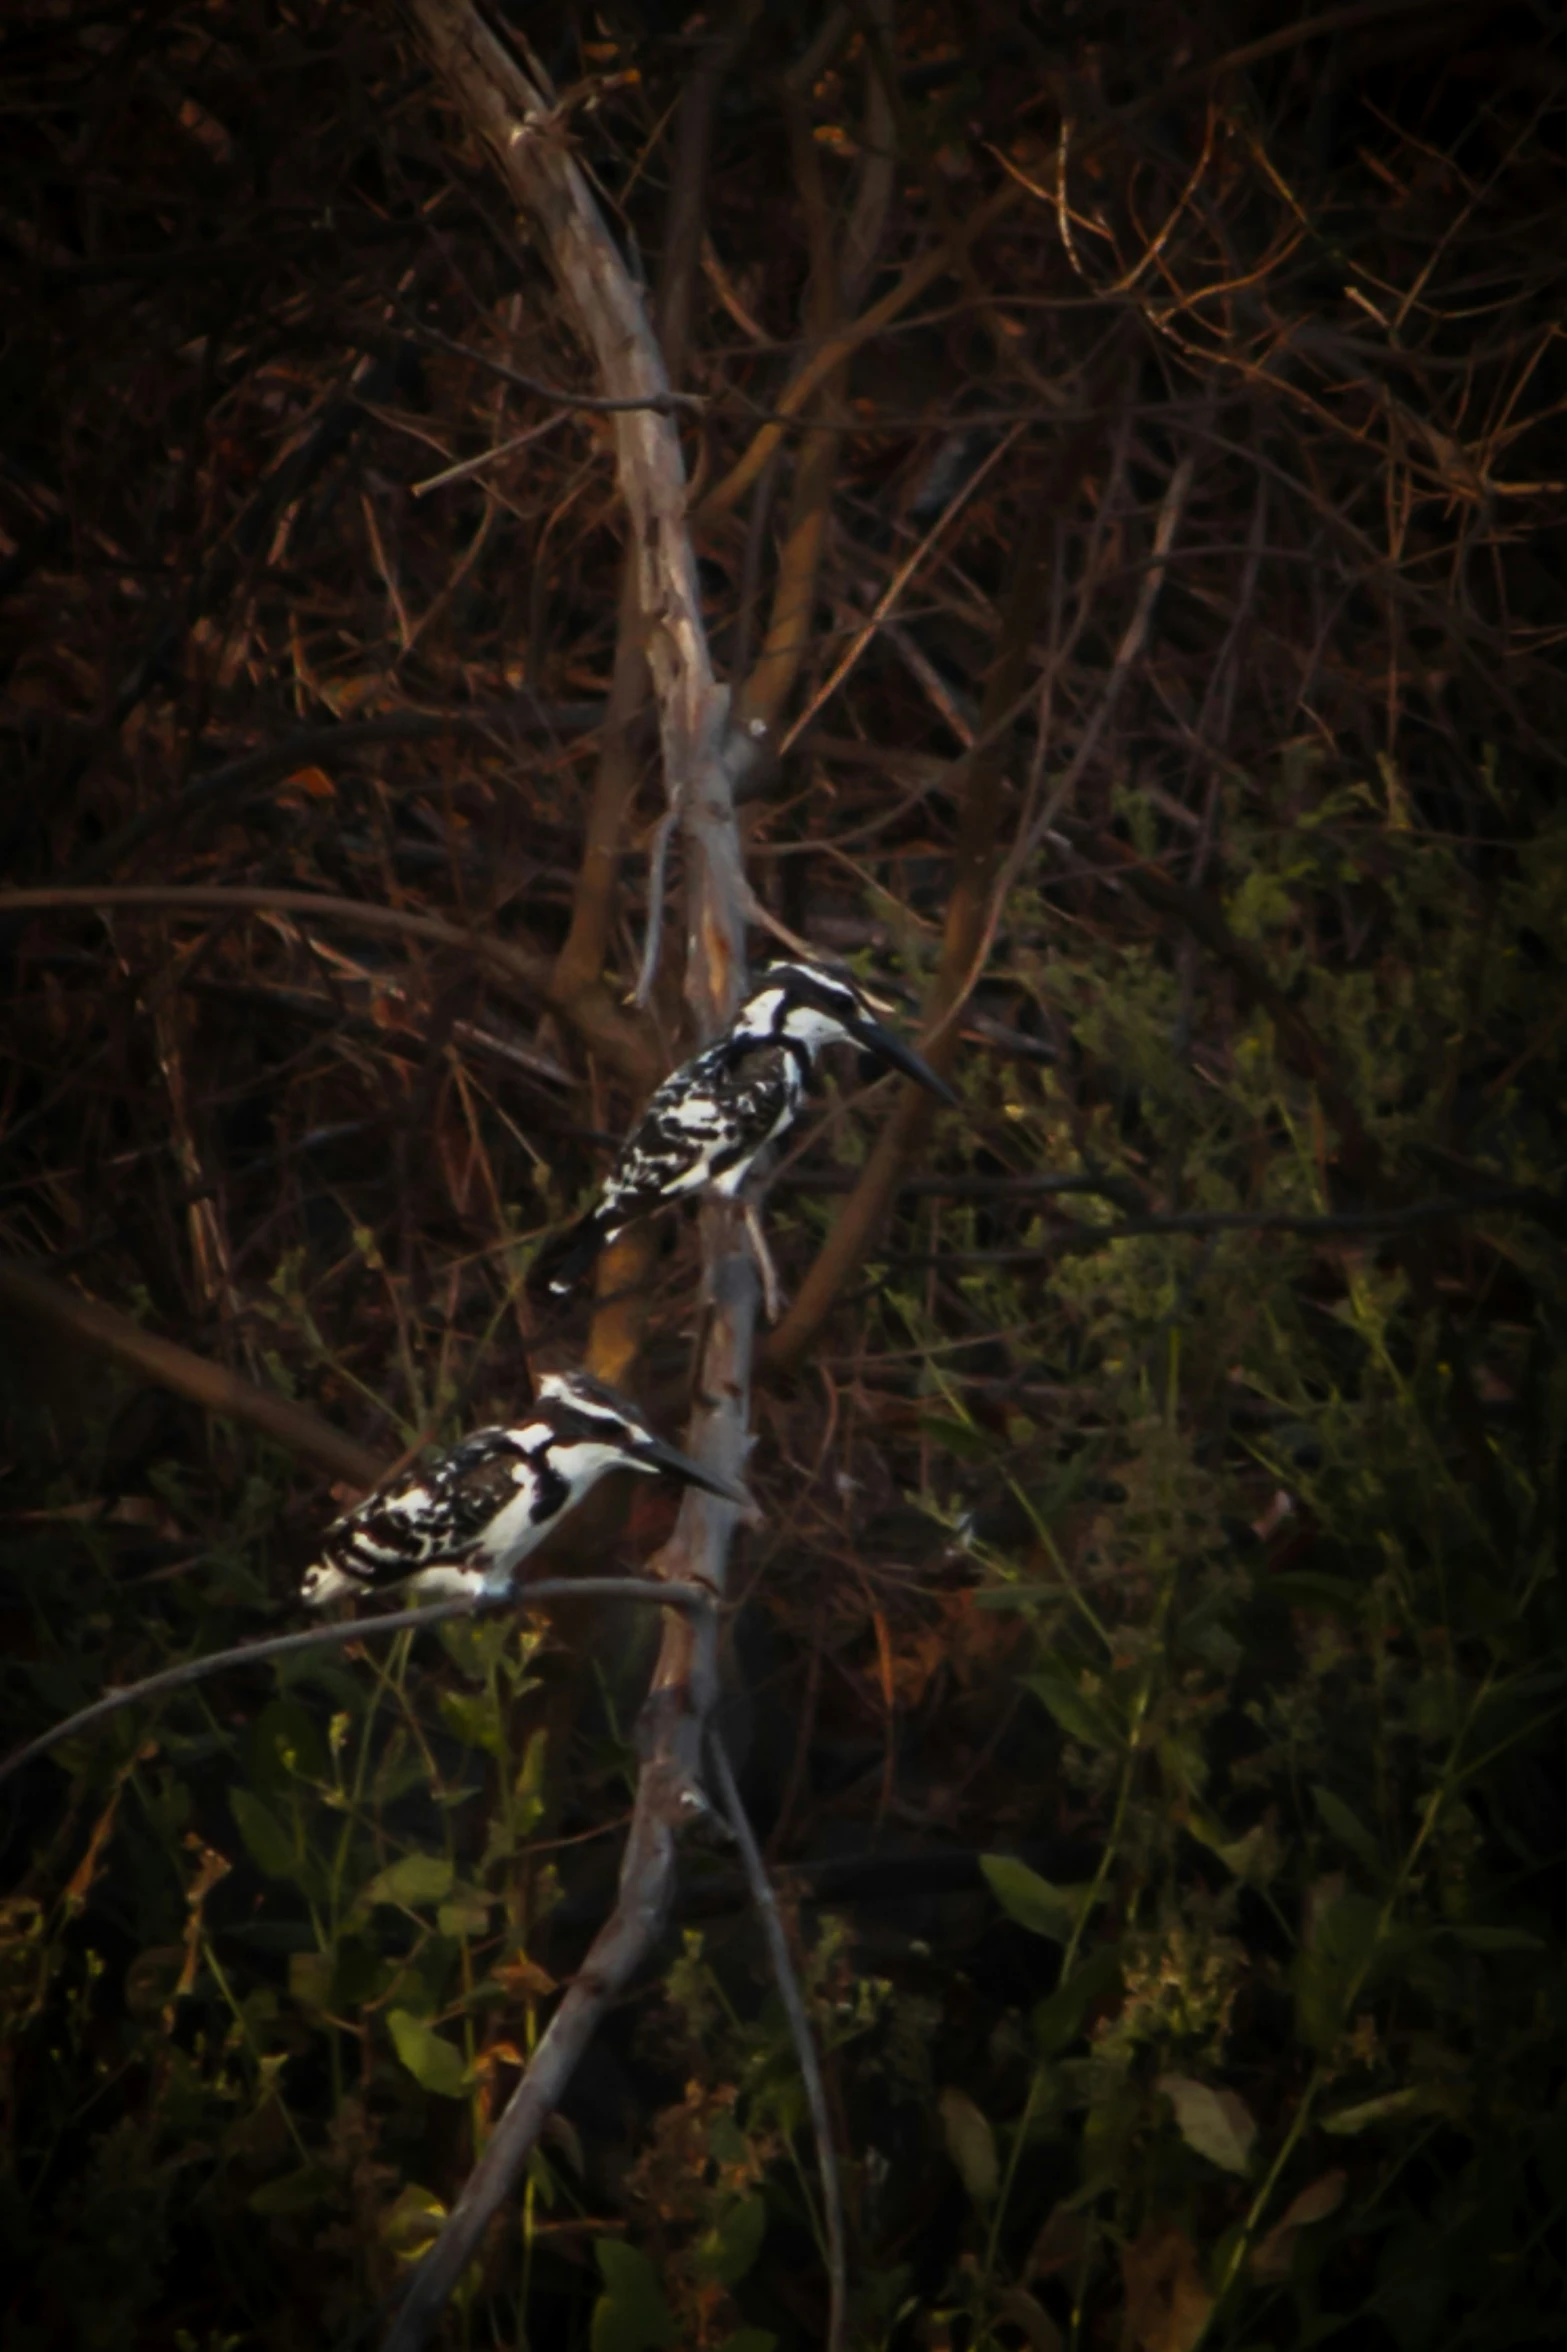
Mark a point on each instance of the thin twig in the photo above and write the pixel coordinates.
(1130, 650)
(666, 1799)
(661, 403)
(516, 963)
(690, 1597)
(895, 587)
(789, 1994)
(469, 466)
(508, 113)
(657, 868)
(252, 774)
(26, 1290)
(1528, 1200)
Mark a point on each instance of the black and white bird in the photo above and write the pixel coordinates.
(716, 1116)
(462, 1522)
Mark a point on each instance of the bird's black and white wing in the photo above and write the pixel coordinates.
(457, 1524)
(705, 1127)
(463, 1522)
(712, 1120)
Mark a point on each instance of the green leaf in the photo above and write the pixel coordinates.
(284, 1745)
(528, 1794)
(1271, 2260)
(1031, 1900)
(1496, 1939)
(1083, 1718)
(1057, 2018)
(727, 2251)
(1341, 1823)
(1261, 904)
(751, 2340)
(1306, 1588)
(971, 2144)
(310, 1978)
(467, 1914)
(1254, 1857)
(417, 1878)
(435, 2064)
(412, 2225)
(1341, 1940)
(631, 2314)
(1218, 2124)
(474, 1645)
(296, 2192)
(474, 1718)
(268, 1843)
(957, 1437)
(1392, 2107)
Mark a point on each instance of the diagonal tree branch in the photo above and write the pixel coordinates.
(949, 252)
(793, 2001)
(511, 112)
(25, 1291)
(690, 1597)
(620, 1317)
(526, 970)
(841, 266)
(977, 855)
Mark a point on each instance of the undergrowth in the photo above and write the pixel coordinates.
(1248, 1543)
(1149, 1673)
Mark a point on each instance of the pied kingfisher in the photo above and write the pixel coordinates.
(462, 1523)
(713, 1118)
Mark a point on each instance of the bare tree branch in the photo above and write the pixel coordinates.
(1075, 1237)
(578, 986)
(226, 790)
(689, 1597)
(510, 111)
(528, 971)
(838, 278)
(815, 371)
(789, 1994)
(212, 1386)
(948, 252)
(665, 403)
(977, 851)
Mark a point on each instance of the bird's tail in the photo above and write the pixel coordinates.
(562, 1262)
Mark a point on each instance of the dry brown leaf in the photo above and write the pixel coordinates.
(1270, 2263)
(1167, 2302)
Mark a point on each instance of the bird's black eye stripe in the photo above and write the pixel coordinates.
(550, 1491)
(575, 1428)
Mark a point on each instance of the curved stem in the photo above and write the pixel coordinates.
(693, 1598)
(800, 2032)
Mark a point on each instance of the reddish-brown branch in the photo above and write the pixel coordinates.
(107, 1333)
(520, 965)
(974, 867)
(511, 114)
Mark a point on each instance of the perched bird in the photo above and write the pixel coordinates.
(713, 1118)
(463, 1522)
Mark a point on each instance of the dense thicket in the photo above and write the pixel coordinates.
(1128, 478)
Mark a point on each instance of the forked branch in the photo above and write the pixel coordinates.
(510, 110)
(328, 1637)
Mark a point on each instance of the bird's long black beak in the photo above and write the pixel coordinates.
(872, 1038)
(651, 1453)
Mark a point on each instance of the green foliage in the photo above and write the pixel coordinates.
(1262, 1588)
(1160, 1575)
(631, 2314)
(1285, 1548)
